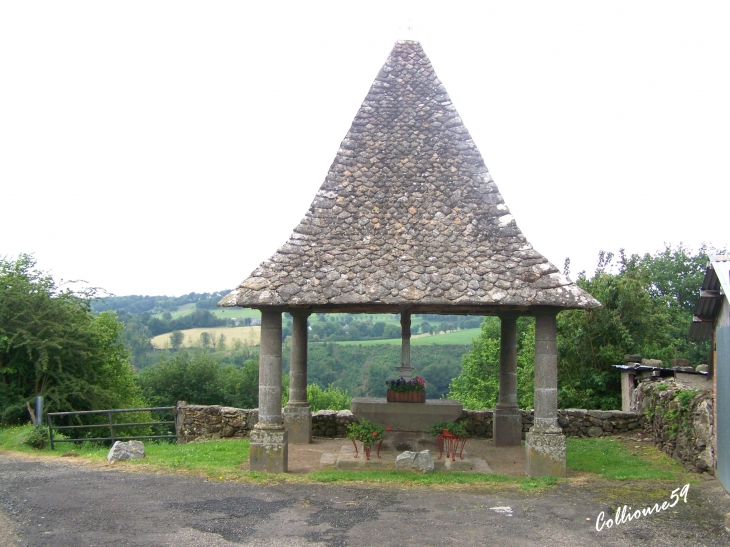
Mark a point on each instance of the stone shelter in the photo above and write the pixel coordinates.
(408, 220)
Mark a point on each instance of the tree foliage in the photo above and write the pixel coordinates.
(648, 303)
(52, 345)
(477, 385)
(199, 378)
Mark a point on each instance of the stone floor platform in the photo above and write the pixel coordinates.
(346, 459)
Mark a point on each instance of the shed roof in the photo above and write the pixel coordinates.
(715, 288)
(408, 215)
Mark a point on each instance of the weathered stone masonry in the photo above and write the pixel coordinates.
(217, 422)
(409, 220)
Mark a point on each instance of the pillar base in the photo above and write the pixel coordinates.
(269, 451)
(507, 426)
(298, 422)
(545, 454)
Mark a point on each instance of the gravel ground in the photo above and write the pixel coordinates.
(56, 502)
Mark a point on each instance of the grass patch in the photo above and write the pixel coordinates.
(217, 459)
(13, 438)
(612, 460)
(437, 478)
(608, 458)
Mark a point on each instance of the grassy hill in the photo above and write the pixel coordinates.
(251, 336)
(223, 313)
(456, 338)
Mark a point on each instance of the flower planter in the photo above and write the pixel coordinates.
(406, 396)
(453, 444)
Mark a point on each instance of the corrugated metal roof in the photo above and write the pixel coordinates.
(717, 281)
(721, 265)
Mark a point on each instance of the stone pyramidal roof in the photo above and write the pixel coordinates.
(408, 216)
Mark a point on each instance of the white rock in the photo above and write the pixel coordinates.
(131, 450)
(414, 461)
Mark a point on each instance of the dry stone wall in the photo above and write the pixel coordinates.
(205, 423)
(197, 422)
(681, 421)
(574, 422)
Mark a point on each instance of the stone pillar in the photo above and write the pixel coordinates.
(545, 442)
(297, 412)
(627, 391)
(268, 439)
(405, 370)
(507, 415)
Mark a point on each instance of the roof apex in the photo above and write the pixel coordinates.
(408, 215)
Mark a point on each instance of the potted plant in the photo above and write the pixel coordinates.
(406, 391)
(367, 433)
(452, 435)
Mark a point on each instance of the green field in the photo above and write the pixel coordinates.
(456, 338)
(223, 313)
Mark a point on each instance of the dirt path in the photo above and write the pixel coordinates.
(56, 502)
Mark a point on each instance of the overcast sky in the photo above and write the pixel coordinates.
(169, 147)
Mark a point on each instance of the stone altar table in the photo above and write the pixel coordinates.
(408, 422)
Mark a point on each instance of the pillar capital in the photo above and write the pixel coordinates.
(272, 309)
(299, 312)
(545, 311)
(509, 315)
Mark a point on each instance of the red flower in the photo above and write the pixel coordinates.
(375, 433)
(388, 428)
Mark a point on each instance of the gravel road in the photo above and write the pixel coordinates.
(69, 503)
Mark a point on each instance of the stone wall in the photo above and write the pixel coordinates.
(200, 422)
(217, 422)
(681, 421)
(575, 422)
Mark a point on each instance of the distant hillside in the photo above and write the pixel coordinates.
(137, 304)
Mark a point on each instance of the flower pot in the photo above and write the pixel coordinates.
(406, 396)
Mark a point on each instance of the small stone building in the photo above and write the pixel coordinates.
(712, 321)
(408, 220)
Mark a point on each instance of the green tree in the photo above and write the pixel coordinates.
(194, 378)
(241, 385)
(176, 339)
(391, 331)
(477, 386)
(647, 309)
(52, 345)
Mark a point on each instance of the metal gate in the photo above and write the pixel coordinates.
(722, 400)
(110, 425)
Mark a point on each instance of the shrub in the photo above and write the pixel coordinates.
(37, 438)
(330, 398)
(365, 432)
(455, 428)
